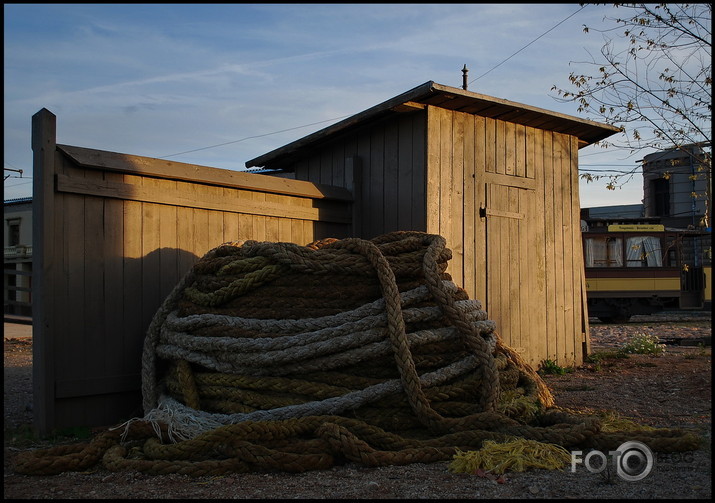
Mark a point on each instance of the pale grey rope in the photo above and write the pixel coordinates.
(334, 338)
(299, 326)
(284, 363)
(184, 422)
(165, 318)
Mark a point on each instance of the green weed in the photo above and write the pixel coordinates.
(551, 367)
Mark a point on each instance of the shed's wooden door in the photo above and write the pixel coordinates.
(514, 272)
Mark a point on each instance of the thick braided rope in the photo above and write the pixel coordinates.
(396, 330)
(251, 446)
(291, 434)
(317, 261)
(305, 331)
(392, 300)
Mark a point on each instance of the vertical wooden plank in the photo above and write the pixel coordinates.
(557, 223)
(284, 230)
(510, 148)
(272, 227)
(500, 160)
(499, 255)
(185, 241)
(133, 292)
(521, 147)
(568, 252)
(445, 182)
(433, 167)
(456, 208)
(469, 211)
(549, 239)
(516, 291)
(44, 267)
(168, 243)
(296, 232)
(376, 202)
(185, 234)
(338, 167)
(490, 135)
(70, 356)
(215, 225)
(259, 221)
(390, 195)
(309, 232)
(406, 169)
(230, 219)
(314, 169)
(353, 175)
(419, 171)
(93, 327)
(326, 167)
(530, 152)
(365, 189)
(245, 221)
(526, 274)
(112, 310)
(537, 249)
(72, 353)
(492, 272)
(151, 258)
(302, 170)
(480, 235)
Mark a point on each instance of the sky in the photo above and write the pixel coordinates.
(220, 84)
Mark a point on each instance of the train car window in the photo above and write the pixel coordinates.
(643, 251)
(603, 251)
(671, 253)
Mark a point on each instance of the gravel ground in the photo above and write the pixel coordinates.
(673, 390)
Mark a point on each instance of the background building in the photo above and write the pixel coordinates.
(677, 186)
(17, 276)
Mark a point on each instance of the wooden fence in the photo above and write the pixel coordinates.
(112, 235)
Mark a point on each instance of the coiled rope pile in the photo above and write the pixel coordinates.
(278, 356)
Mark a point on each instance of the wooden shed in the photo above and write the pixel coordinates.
(113, 233)
(497, 179)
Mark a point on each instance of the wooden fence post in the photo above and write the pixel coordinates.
(353, 175)
(44, 129)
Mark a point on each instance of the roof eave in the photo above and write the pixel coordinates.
(588, 132)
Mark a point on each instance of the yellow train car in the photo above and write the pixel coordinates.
(643, 269)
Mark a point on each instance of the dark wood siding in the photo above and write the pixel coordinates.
(390, 155)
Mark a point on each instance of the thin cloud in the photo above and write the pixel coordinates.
(152, 79)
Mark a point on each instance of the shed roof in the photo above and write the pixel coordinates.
(431, 93)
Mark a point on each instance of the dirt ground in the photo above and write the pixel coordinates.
(672, 390)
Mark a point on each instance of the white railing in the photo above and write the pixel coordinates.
(20, 251)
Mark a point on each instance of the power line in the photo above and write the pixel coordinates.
(527, 45)
(252, 137)
(344, 116)
(18, 184)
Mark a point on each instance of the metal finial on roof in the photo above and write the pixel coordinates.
(464, 77)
